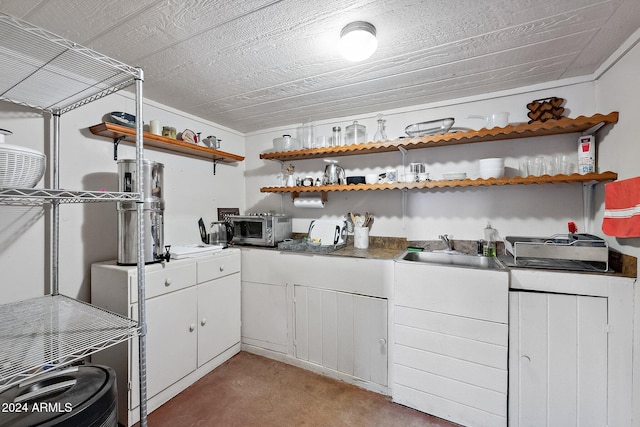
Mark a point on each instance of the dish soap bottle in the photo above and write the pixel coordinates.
(489, 248)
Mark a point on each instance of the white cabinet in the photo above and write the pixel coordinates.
(450, 342)
(265, 319)
(557, 360)
(193, 323)
(170, 319)
(324, 313)
(342, 331)
(218, 316)
(570, 349)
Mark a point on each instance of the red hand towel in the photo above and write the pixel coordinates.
(622, 208)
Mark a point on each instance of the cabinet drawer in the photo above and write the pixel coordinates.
(218, 267)
(466, 292)
(168, 279)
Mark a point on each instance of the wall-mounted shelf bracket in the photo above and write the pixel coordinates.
(587, 204)
(403, 151)
(404, 208)
(116, 142)
(593, 129)
(215, 163)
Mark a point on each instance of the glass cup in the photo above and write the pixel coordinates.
(554, 166)
(535, 166)
(565, 167)
(524, 168)
(322, 142)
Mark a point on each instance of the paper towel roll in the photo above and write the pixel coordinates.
(308, 202)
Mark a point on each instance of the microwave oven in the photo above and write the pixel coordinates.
(260, 229)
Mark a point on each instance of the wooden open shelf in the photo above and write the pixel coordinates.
(516, 131)
(115, 131)
(544, 179)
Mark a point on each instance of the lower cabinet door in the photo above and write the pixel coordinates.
(557, 360)
(264, 316)
(170, 342)
(342, 331)
(218, 316)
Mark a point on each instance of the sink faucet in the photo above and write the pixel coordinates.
(447, 242)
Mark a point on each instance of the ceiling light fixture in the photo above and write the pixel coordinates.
(358, 41)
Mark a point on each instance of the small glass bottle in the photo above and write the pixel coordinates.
(380, 135)
(489, 248)
(336, 139)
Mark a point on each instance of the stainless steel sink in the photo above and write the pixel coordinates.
(455, 259)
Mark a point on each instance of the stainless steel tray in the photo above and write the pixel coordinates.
(571, 247)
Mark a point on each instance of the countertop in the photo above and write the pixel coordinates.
(388, 248)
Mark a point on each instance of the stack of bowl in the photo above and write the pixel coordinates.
(491, 168)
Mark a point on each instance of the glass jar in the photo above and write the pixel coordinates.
(306, 136)
(336, 139)
(355, 134)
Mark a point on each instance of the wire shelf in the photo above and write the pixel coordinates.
(44, 71)
(51, 331)
(35, 197)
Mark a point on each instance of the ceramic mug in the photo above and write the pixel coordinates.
(361, 237)
(392, 175)
(155, 127)
(371, 178)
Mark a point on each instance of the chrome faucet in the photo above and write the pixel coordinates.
(447, 242)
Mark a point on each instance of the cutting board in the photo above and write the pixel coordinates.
(328, 231)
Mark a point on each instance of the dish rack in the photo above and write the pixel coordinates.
(560, 249)
(54, 330)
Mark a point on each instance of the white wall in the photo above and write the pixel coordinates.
(462, 212)
(88, 231)
(620, 151)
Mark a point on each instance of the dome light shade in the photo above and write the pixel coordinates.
(358, 41)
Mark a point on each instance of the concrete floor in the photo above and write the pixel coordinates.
(250, 390)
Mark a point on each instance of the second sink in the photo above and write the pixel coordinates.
(462, 260)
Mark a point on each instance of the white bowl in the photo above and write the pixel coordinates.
(371, 178)
(20, 167)
(491, 162)
(491, 172)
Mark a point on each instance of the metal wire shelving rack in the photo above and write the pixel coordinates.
(48, 73)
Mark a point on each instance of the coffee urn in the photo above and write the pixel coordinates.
(152, 211)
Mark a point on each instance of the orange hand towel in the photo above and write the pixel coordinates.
(622, 208)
